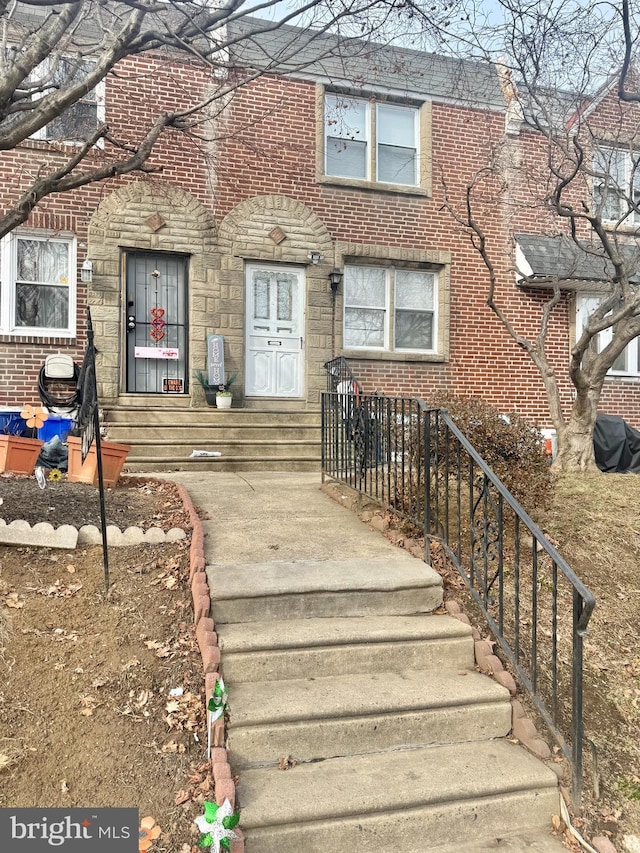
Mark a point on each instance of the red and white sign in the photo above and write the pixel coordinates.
(157, 352)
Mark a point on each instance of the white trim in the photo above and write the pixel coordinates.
(390, 313)
(8, 281)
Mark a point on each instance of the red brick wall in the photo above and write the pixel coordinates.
(142, 87)
(266, 145)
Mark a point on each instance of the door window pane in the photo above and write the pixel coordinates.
(285, 298)
(261, 296)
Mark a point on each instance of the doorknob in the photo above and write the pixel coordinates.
(131, 322)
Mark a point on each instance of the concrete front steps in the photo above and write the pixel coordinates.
(339, 670)
(164, 431)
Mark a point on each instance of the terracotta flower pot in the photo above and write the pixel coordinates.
(18, 454)
(113, 457)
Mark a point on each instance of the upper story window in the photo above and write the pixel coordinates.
(390, 309)
(628, 362)
(37, 285)
(616, 184)
(371, 143)
(80, 119)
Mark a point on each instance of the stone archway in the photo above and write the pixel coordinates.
(278, 230)
(147, 215)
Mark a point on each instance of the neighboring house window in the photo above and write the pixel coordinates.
(390, 309)
(628, 362)
(370, 141)
(616, 184)
(80, 119)
(37, 288)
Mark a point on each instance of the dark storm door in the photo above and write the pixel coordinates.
(156, 312)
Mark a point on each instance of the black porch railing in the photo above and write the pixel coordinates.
(418, 464)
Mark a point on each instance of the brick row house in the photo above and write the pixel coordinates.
(340, 161)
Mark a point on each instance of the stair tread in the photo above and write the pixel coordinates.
(255, 580)
(413, 778)
(518, 843)
(359, 695)
(335, 631)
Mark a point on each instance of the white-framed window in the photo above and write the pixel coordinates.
(390, 309)
(38, 285)
(628, 362)
(616, 184)
(80, 119)
(370, 141)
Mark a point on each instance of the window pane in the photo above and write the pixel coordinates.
(414, 289)
(346, 136)
(346, 118)
(42, 306)
(43, 261)
(396, 126)
(414, 330)
(260, 296)
(346, 158)
(396, 165)
(77, 122)
(363, 327)
(365, 286)
(285, 298)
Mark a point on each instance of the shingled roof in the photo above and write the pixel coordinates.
(543, 259)
(353, 63)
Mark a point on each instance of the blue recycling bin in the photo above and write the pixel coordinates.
(55, 425)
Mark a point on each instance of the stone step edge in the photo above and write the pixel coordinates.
(316, 712)
(334, 639)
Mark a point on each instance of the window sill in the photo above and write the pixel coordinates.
(357, 184)
(622, 377)
(59, 338)
(374, 355)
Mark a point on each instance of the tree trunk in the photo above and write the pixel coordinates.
(575, 439)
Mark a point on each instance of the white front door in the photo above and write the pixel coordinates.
(275, 329)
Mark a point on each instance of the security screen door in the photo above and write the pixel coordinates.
(155, 322)
(275, 330)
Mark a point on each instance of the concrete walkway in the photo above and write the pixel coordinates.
(332, 657)
(258, 517)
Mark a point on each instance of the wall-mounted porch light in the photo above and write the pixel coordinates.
(335, 277)
(86, 271)
(314, 257)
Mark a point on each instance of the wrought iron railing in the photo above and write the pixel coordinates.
(340, 377)
(417, 463)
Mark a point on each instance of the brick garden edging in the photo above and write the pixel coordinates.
(207, 638)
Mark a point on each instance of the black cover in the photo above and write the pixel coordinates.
(616, 445)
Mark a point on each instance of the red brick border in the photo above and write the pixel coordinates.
(207, 638)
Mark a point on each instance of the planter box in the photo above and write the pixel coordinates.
(17, 454)
(113, 457)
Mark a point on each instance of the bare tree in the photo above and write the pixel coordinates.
(568, 161)
(54, 56)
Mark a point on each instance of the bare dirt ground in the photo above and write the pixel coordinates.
(89, 714)
(86, 715)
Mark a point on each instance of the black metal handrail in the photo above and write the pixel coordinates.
(340, 377)
(418, 464)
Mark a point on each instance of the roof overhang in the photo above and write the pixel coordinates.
(544, 262)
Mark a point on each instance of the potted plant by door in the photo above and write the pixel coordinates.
(224, 395)
(210, 391)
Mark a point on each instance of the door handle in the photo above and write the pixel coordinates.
(131, 322)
